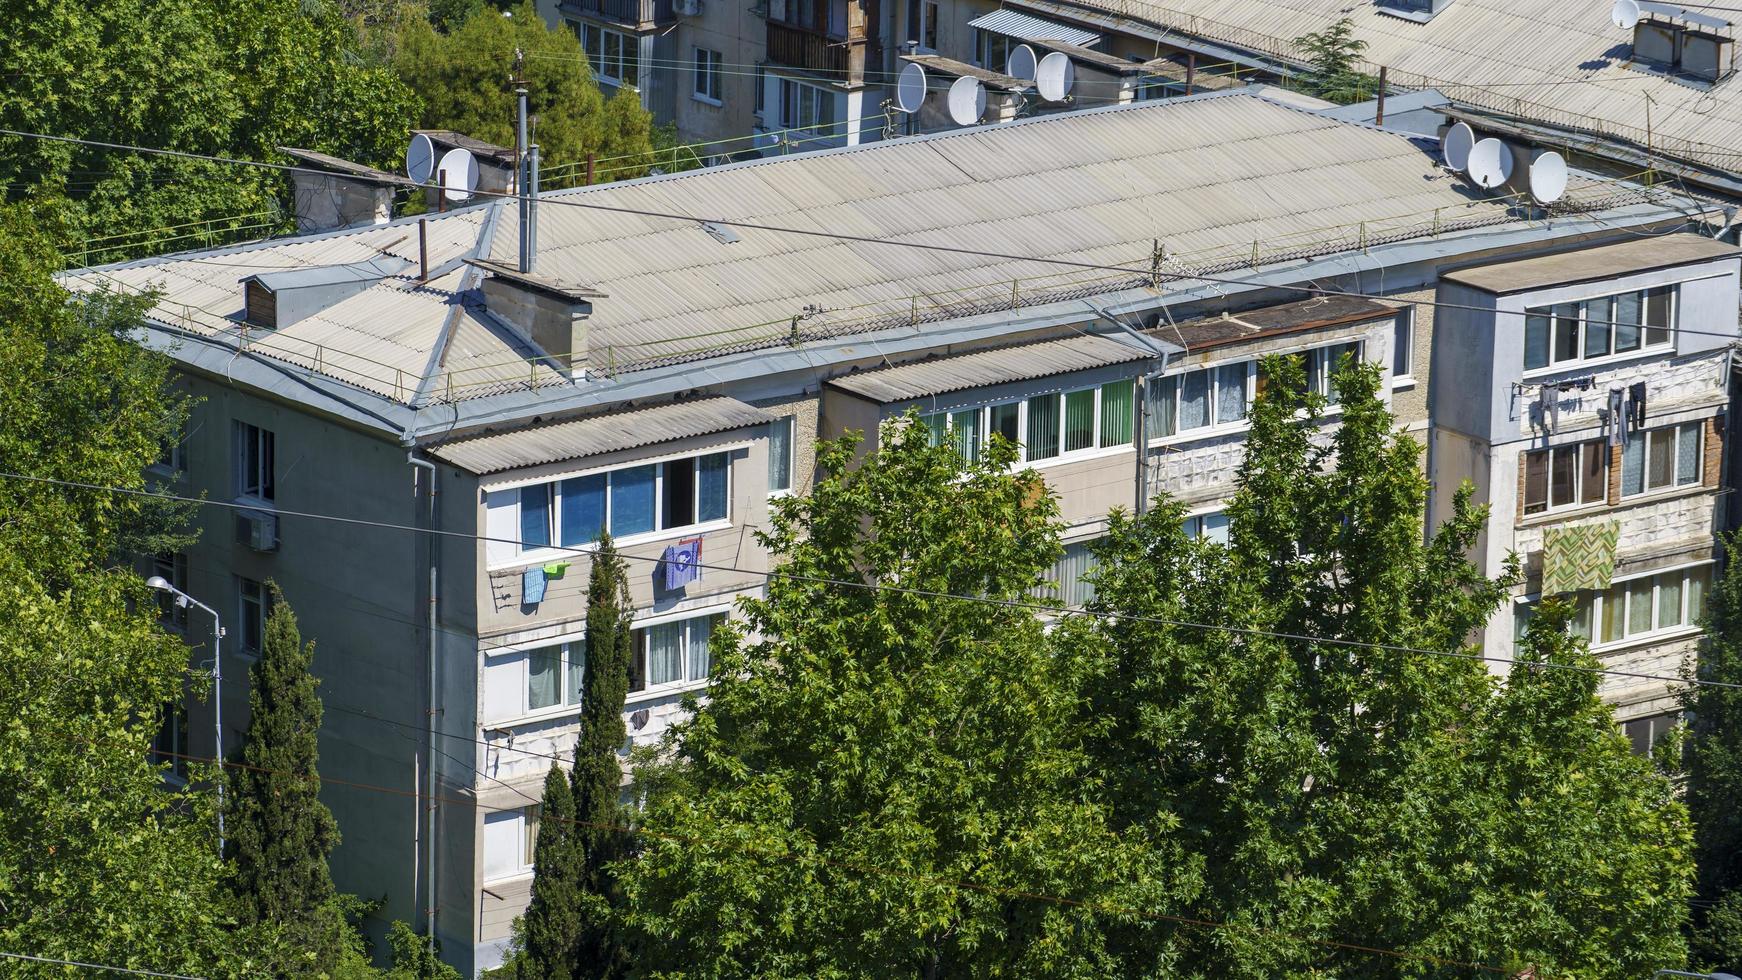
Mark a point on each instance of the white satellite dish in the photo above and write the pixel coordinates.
(1455, 146)
(1021, 63)
(1490, 163)
(1054, 76)
(1548, 177)
(458, 173)
(967, 101)
(910, 88)
(420, 158)
(1625, 14)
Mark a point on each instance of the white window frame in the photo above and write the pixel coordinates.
(705, 65)
(1578, 502)
(251, 593)
(805, 96)
(1524, 607)
(1214, 425)
(569, 651)
(923, 29)
(1608, 299)
(982, 434)
(1193, 525)
(525, 821)
(1403, 341)
(790, 423)
(1057, 588)
(606, 70)
(254, 462)
(525, 554)
(1643, 436)
(985, 41)
(640, 666)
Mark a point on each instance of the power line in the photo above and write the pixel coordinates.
(97, 966)
(1035, 607)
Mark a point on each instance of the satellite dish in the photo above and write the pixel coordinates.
(1455, 146)
(1625, 14)
(420, 158)
(1054, 76)
(1490, 163)
(967, 101)
(910, 88)
(1548, 176)
(1021, 63)
(459, 174)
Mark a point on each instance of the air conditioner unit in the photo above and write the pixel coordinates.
(258, 530)
(687, 8)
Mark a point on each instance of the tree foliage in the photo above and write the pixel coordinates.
(280, 832)
(233, 78)
(872, 749)
(1331, 56)
(551, 927)
(463, 77)
(1714, 770)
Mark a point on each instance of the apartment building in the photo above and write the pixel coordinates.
(1588, 403)
(661, 377)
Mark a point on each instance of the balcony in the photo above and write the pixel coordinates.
(637, 14)
(839, 59)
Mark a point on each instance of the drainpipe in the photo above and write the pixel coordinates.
(429, 841)
(1155, 365)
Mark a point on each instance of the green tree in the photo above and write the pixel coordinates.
(1714, 770)
(1331, 56)
(551, 926)
(280, 832)
(463, 77)
(222, 77)
(1342, 792)
(100, 861)
(881, 780)
(597, 777)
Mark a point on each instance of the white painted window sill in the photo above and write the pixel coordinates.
(1402, 382)
(1597, 363)
(571, 553)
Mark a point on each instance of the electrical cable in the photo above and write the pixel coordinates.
(97, 966)
(1034, 607)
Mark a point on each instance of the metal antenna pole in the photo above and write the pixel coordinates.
(523, 177)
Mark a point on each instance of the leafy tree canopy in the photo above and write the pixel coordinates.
(1714, 770)
(1331, 56)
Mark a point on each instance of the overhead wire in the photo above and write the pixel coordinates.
(52, 961)
(1034, 607)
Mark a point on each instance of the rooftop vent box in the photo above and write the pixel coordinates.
(1657, 41)
(332, 193)
(275, 300)
(1419, 11)
(1684, 48)
(1706, 55)
(550, 315)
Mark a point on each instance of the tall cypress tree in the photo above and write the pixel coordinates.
(1714, 760)
(280, 832)
(551, 928)
(598, 775)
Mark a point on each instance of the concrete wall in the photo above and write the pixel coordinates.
(732, 28)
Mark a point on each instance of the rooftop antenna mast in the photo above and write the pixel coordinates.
(526, 174)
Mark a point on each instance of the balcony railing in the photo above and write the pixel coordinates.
(839, 59)
(634, 13)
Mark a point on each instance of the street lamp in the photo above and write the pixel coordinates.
(184, 600)
(1700, 976)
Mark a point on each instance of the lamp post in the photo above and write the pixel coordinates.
(184, 600)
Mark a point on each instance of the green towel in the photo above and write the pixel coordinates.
(1581, 556)
(556, 569)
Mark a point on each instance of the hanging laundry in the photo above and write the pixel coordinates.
(1579, 557)
(556, 569)
(682, 563)
(1548, 408)
(1636, 404)
(532, 587)
(1617, 424)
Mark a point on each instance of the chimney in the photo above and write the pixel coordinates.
(549, 315)
(342, 195)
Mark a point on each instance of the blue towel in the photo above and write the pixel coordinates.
(682, 563)
(532, 587)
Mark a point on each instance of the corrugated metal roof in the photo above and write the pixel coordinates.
(1592, 264)
(598, 434)
(1023, 362)
(1028, 27)
(1559, 62)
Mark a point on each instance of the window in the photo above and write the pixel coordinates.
(510, 837)
(806, 106)
(665, 496)
(780, 454)
(1068, 576)
(1047, 426)
(555, 675)
(1641, 606)
(173, 566)
(1605, 326)
(993, 49)
(922, 23)
(1212, 526)
(707, 83)
(673, 653)
(1403, 347)
(1323, 363)
(172, 453)
(615, 57)
(1645, 733)
(255, 604)
(253, 462)
(1658, 459)
(1566, 476)
(761, 104)
(170, 745)
(1199, 399)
